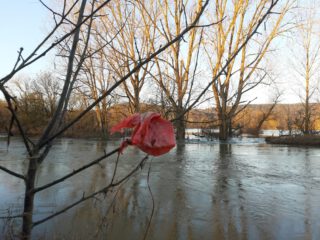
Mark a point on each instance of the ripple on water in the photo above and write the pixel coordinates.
(243, 189)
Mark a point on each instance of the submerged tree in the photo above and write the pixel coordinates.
(230, 37)
(175, 70)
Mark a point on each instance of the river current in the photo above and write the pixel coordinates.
(243, 189)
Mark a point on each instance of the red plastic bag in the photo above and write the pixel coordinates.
(152, 134)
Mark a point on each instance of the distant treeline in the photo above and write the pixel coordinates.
(35, 115)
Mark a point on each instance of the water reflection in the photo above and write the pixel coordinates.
(201, 191)
(180, 151)
(229, 196)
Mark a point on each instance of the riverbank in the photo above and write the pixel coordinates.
(308, 140)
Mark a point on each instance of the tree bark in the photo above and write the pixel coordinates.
(29, 199)
(180, 130)
(223, 130)
(180, 125)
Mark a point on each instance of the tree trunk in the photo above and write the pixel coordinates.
(229, 127)
(224, 124)
(136, 103)
(223, 130)
(180, 130)
(104, 123)
(307, 118)
(29, 200)
(180, 125)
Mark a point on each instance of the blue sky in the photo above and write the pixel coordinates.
(22, 24)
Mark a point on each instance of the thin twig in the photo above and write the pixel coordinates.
(101, 191)
(152, 198)
(115, 168)
(18, 58)
(104, 219)
(96, 161)
(54, 13)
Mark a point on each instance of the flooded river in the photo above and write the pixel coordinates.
(246, 189)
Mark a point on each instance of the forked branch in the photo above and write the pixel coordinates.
(94, 162)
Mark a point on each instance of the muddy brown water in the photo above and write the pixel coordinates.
(245, 189)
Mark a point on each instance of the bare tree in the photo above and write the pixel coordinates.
(306, 62)
(33, 110)
(36, 100)
(175, 72)
(47, 85)
(265, 113)
(130, 45)
(244, 72)
(97, 80)
(116, 43)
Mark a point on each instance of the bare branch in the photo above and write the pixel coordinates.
(18, 175)
(92, 195)
(33, 57)
(15, 118)
(152, 199)
(74, 172)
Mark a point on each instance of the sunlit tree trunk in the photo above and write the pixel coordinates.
(36, 156)
(307, 97)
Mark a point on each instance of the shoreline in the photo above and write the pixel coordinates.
(307, 140)
(294, 140)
